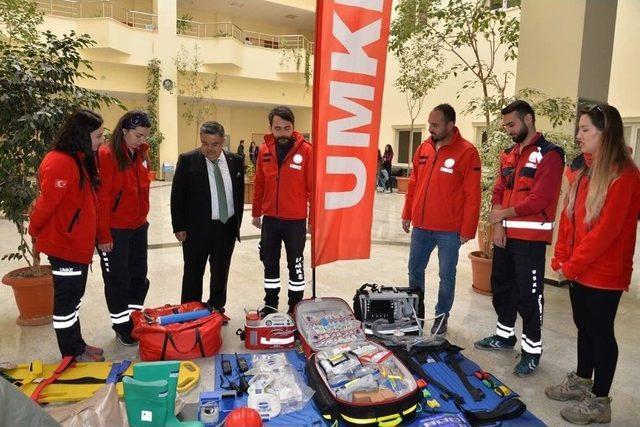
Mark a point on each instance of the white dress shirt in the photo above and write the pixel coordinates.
(228, 188)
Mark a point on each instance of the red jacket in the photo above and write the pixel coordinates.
(63, 219)
(283, 192)
(444, 187)
(123, 196)
(600, 255)
(529, 181)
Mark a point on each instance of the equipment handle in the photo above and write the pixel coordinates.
(169, 338)
(182, 317)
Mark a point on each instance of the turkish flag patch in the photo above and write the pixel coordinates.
(61, 183)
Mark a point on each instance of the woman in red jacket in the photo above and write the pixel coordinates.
(123, 205)
(63, 224)
(596, 241)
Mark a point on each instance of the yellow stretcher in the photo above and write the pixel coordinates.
(82, 380)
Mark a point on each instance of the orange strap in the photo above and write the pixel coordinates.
(64, 364)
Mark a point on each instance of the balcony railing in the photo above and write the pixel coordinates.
(209, 30)
(67, 8)
(253, 38)
(144, 20)
(98, 9)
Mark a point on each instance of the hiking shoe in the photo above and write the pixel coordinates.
(527, 364)
(93, 350)
(89, 357)
(127, 340)
(440, 325)
(572, 387)
(495, 342)
(589, 410)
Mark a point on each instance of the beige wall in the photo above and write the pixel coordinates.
(552, 42)
(301, 4)
(624, 85)
(118, 78)
(597, 46)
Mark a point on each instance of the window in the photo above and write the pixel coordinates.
(632, 136)
(402, 155)
(504, 4)
(480, 134)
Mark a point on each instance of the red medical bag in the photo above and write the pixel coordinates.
(177, 341)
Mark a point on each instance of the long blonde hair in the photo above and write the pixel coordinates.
(608, 163)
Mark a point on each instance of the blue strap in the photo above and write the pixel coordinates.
(117, 369)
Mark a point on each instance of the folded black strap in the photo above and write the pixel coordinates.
(506, 410)
(417, 369)
(475, 392)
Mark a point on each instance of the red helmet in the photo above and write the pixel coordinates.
(243, 417)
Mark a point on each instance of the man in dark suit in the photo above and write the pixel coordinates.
(207, 200)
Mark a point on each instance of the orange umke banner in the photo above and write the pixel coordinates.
(350, 57)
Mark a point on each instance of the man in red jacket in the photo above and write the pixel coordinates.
(443, 204)
(525, 196)
(282, 191)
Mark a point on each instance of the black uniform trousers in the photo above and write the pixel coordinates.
(594, 313)
(517, 283)
(294, 234)
(124, 271)
(69, 282)
(216, 244)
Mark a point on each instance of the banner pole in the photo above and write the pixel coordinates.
(313, 282)
(314, 134)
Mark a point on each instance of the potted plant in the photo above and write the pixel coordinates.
(37, 93)
(249, 175)
(402, 181)
(481, 261)
(156, 137)
(184, 23)
(154, 141)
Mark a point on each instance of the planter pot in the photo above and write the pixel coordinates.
(403, 184)
(481, 273)
(34, 296)
(152, 175)
(248, 191)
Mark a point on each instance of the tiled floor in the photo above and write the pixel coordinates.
(472, 316)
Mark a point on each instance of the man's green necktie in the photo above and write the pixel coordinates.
(222, 195)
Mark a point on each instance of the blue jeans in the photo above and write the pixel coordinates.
(423, 242)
